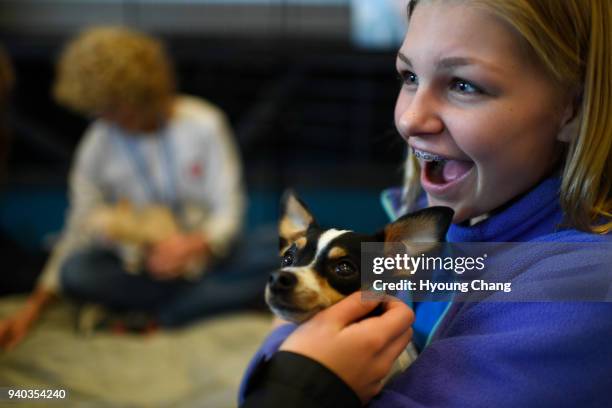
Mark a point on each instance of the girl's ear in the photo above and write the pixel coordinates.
(571, 120)
(295, 218)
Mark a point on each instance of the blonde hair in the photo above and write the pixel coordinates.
(572, 40)
(106, 67)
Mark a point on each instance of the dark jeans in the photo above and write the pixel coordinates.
(96, 275)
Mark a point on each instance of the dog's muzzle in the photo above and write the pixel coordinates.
(281, 282)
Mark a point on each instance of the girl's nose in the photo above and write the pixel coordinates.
(420, 116)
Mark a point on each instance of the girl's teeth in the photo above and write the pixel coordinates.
(427, 156)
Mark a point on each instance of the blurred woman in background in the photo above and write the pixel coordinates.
(150, 147)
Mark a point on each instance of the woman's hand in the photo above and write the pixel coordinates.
(14, 328)
(361, 352)
(169, 258)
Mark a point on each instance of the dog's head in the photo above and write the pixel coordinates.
(321, 266)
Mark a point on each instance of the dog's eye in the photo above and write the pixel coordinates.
(287, 259)
(345, 269)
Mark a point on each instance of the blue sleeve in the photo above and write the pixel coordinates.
(270, 346)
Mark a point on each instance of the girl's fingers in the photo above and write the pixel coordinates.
(397, 307)
(396, 320)
(348, 310)
(396, 346)
(373, 390)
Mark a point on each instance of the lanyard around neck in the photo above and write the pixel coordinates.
(129, 144)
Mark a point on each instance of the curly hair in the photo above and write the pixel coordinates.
(106, 67)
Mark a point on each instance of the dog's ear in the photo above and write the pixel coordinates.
(420, 231)
(295, 218)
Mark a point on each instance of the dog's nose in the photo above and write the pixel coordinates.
(280, 281)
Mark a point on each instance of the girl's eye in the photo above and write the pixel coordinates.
(464, 87)
(408, 78)
(287, 259)
(344, 269)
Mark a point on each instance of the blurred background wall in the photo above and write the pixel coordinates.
(308, 85)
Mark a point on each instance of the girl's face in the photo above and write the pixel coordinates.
(473, 99)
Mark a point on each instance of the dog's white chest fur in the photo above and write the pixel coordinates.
(402, 362)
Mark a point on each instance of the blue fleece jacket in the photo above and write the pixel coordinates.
(507, 354)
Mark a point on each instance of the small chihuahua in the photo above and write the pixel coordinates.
(132, 231)
(319, 267)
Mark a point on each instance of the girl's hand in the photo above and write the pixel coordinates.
(361, 352)
(169, 258)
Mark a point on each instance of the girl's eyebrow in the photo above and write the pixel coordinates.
(454, 62)
(451, 62)
(404, 58)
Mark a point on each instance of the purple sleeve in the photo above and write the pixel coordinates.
(265, 352)
(501, 354)
(511, 355)
(507, 354)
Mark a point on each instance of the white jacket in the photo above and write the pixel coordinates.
(205, 173)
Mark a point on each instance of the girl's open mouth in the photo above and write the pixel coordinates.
(440, 175)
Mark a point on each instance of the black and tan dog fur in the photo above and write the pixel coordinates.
(319, 266)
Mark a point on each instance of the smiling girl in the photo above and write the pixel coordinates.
(506, 108)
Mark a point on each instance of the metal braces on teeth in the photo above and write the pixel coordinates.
(427, 156)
